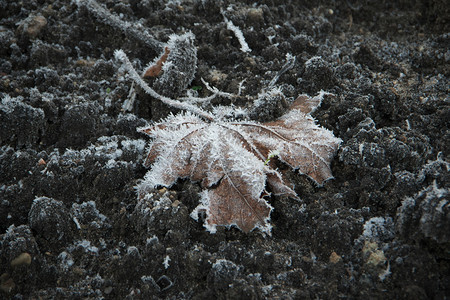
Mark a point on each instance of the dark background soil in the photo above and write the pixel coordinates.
(70, 157)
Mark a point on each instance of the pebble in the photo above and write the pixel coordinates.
(23, 259)
(335, 258)
(6, 284)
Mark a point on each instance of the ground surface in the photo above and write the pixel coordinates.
(70, 226)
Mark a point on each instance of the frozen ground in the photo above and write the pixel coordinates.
(71, 225)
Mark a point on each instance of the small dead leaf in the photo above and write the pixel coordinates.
(154, 70)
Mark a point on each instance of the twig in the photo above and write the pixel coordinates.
(120, 55)
(290, 61)
(238, 33)
(216, 91)
(130, 30)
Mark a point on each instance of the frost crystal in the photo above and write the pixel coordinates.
(166, 262)
(229, 159)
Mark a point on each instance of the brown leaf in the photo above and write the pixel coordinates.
(230, 160)
(155, 70)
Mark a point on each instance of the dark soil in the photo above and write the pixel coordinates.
(70, 157)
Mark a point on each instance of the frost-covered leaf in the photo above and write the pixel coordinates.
(178, 66)
(233, 161)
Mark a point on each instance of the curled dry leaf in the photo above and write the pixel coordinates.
(231, 160)
(154, 70)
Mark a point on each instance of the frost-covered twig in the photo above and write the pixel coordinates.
(130, 30)
(241, 86)
(229, 112)
(129, 102)
(192, 99)
(120, 55)
(290, 61)
(238, 33)
(216, 91)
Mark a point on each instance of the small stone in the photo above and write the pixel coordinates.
(255, 15)
(8, 285)
(108, 290)
(376, 258)
(335, 258)
(23, 259)
(374, 255)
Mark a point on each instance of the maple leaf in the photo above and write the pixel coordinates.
(232, 161)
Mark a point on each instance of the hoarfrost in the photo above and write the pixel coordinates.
(379, 229)
(166, 262)
(85, 245)
(87, 213)
(66, 260)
